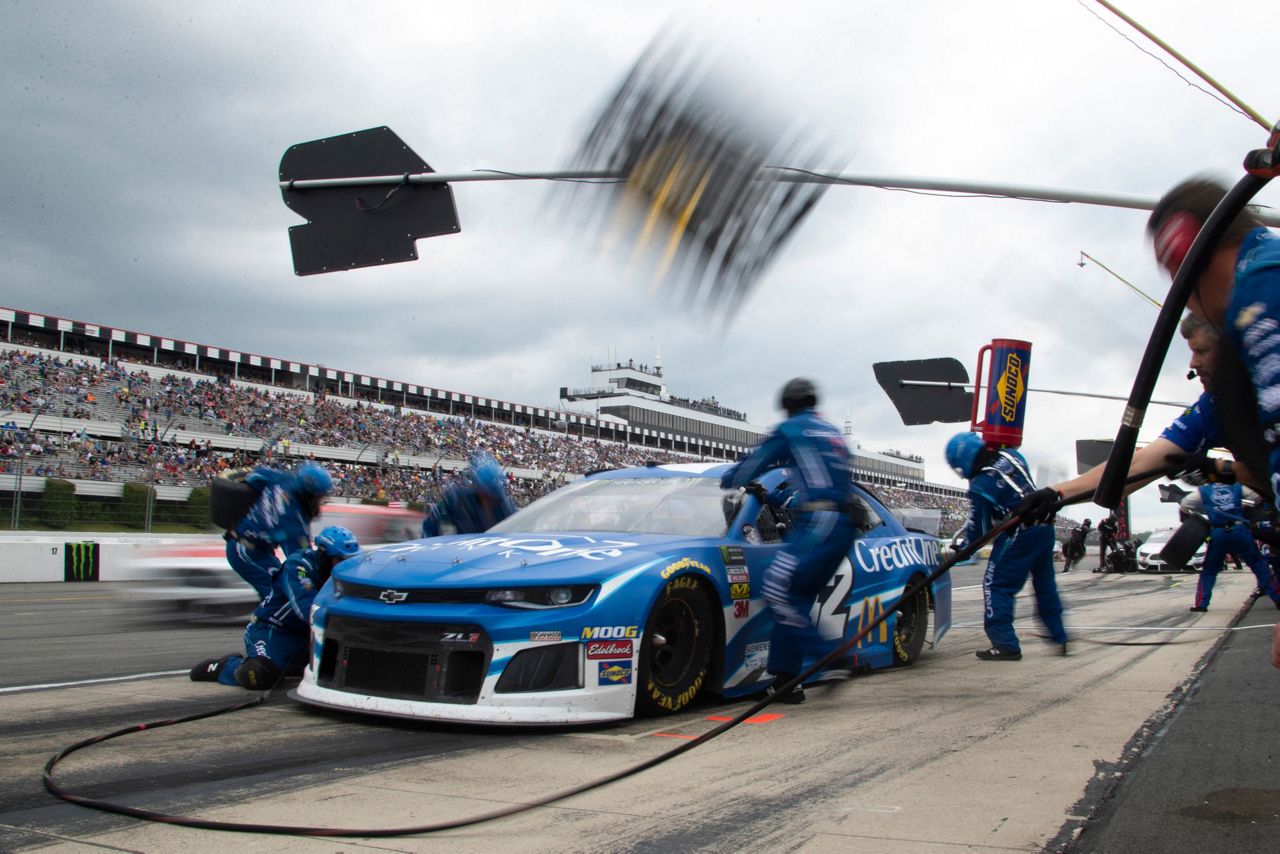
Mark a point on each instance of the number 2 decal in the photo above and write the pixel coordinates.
(831, 612)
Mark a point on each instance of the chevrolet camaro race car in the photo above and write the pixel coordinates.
(627, 592)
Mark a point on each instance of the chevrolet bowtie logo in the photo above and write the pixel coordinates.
(393, 596)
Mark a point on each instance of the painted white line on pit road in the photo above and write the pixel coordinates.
(48, 685)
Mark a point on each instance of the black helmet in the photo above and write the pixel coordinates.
(1088, 522)
(798, 394)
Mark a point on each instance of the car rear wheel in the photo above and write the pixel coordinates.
(675, 654)
(911, 628)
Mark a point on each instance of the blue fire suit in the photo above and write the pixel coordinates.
(1196, 429)
(281, 624)
(823, 530)
(993, 492)
(279, 518)
(1228, 532)
(470, 508)
(1252, 324)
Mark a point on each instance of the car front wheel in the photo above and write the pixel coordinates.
(675, 654)
(911, 627)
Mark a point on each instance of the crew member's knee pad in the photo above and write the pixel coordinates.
(258, 673)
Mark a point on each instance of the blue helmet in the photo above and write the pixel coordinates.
(338, 542)
(486, 472)
(962, 452)
(313, 479)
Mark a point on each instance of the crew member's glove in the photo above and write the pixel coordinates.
(757, 489)
(1198, 469)
(1039, 507)
(1266, 533)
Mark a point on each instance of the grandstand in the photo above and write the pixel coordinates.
(102, 407)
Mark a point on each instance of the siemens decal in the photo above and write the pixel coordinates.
(898, 554)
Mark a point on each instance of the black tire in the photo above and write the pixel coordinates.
(675, 669)
(910, 628)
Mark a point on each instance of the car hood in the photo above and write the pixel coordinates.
(470, 560)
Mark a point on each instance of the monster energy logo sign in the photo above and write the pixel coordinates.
(80, 562)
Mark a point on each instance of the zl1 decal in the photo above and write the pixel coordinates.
(538, 637)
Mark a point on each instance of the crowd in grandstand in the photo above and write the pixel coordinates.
(152, 408)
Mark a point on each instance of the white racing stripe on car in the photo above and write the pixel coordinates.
(47, 685)
(612, 584)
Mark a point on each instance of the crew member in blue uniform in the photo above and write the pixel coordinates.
(998, 481)
(1239, 293)
(1187, 440)
(275, 641)
(281, 517)
(474, 507)
(823, 532)
(1223, 505)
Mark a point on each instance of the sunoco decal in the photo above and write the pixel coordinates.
(614, 674)
(80, 562)
(609, 649)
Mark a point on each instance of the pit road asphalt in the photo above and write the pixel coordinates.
(1114, 748)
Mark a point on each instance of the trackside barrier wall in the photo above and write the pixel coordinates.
(86, 558)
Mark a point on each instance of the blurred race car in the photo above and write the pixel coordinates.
(627, 592)
(1149, 559)
(193, 581)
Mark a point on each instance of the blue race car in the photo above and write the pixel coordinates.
(627, 592)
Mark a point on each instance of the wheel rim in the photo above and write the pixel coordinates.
(908, 619)
(678, 625)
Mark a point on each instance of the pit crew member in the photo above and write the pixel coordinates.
(275, 641)
(824, 527)
(281, 517)
(474, 507)
(1229, 531)
(998, 481)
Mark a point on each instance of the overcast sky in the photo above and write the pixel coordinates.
(141, 145)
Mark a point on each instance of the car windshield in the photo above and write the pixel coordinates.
(681, 506)
(1158, 537)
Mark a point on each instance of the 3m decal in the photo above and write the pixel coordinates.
(741, 609)
(80, 562)
(614, 674)
(540, 637)
(609, 649)
(684, 563)
(739, 591)
(610, 632)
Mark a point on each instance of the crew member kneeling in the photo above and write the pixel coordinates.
(275, 641)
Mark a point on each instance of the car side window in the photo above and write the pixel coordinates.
(865, 516)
